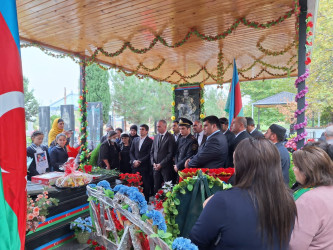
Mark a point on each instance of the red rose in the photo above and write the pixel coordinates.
(94, 243)
(160, 192)
(309, 15)
(307, 61)
(87, 168)
(89, 241)
(309, 24)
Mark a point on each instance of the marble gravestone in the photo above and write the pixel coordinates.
(67, 114)
(44, 122)
(95, 124)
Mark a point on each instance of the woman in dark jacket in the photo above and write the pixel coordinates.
(58, 155)
(257, 213)
(109, 152)
(125, 165)
(36, 147)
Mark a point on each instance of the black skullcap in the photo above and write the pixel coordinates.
(134, 127)
(279, 131)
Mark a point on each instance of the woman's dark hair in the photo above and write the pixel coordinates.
(36, 133)
(315, 164)
(258, 170)
(60, 120)
(328, 148)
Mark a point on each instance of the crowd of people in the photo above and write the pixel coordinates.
(260, 211)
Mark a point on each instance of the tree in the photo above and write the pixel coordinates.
(214, 101)
(258, 90)
(30, 102)
(97, 81)
(320, 81)
(140, 101)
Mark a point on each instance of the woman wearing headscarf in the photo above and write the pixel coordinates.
(57, 128)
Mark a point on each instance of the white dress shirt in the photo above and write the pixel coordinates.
(141, 142)
(200, 137)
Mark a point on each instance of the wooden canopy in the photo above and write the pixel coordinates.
(260, 35)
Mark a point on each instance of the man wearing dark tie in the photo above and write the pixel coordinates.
(251, 129)
(214, 152)
(161, 155)
(199, 133)
(230, 138)
(175, 129)
(187, 145)
(140, 158)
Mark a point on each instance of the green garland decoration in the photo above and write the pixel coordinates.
(275, 53)
(251, 24)
(202, 101)
(172, 202)
(83, 129)
(194, 31)
(220, 69)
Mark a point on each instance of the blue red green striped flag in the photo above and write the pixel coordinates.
(13, 159)
(234, 102)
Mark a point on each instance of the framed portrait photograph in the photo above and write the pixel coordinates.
(187, 102)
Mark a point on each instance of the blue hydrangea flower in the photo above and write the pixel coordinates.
(181, 243)
(158, 219)
(105, 184)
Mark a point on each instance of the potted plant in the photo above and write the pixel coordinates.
(82, 229)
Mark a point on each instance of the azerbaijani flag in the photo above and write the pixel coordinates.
(234, 103)
(13, 159)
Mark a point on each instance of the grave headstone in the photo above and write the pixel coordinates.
(95, 123)
(44, 122)
(67, 114)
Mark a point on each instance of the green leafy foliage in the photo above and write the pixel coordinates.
(94, 156)
(140, 101)
(97, 81)
(214, 101)
(258, 90)
(30, 103)
(292, 178)
(320, 81)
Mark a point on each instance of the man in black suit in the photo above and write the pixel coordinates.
(140, 158)
(187, 145)
(175, 129)
(276, 134)
(251, 129)
(161, 155)
(238, 127)
(214, 152)
(230, 138)
(199, 133)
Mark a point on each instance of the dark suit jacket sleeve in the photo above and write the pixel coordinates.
(148, 144)
(206, 154)
(152, 151)
(171, 150)
(190, 152)
(132, 152)
(208, 226)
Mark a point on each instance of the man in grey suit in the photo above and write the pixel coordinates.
(214, 152)
(161, 155)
